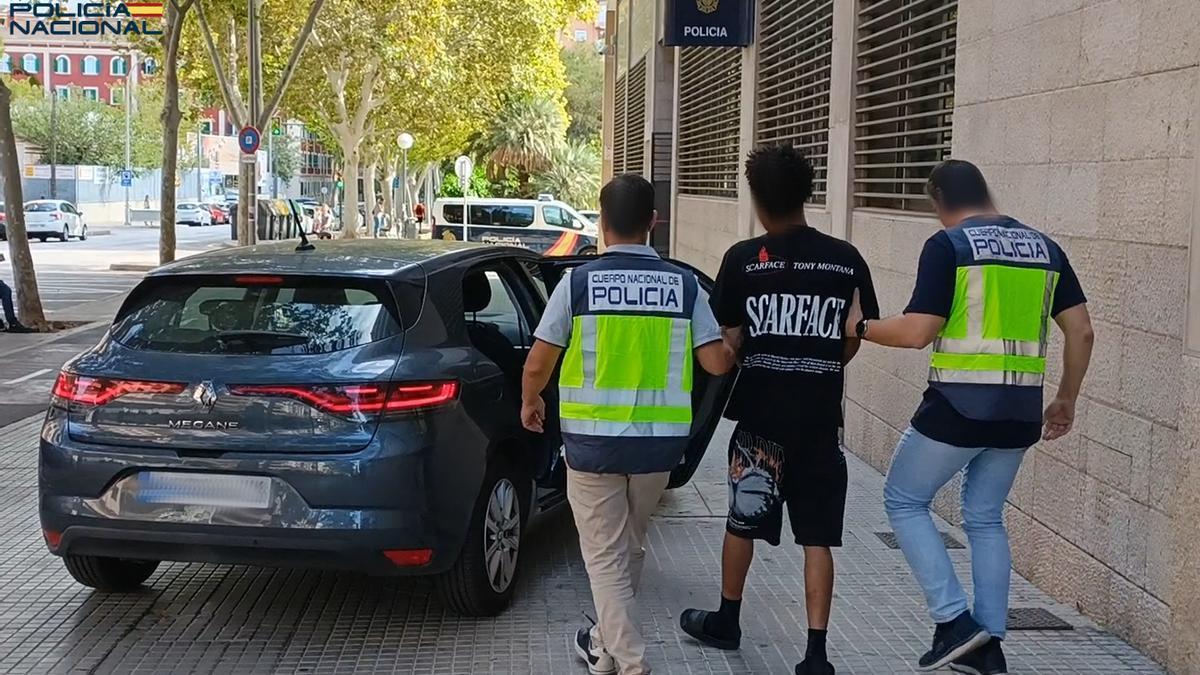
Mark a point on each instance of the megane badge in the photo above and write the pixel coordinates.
(205, 394)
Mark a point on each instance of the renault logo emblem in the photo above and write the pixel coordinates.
(707, 6)
(205, 394)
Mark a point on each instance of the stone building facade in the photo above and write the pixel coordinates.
(1085, 116)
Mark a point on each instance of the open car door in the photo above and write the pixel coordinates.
(709, 393)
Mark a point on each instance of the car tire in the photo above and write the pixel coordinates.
(66, 233)
(109, 574)
(42, 239)
(83, 233)
(468, 588)
(588, 250)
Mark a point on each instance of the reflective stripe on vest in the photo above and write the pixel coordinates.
(998, 327)
(627, 375)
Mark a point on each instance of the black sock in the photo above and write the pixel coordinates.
(726, 619)
(816, 645)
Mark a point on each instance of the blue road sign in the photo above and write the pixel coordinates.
(126, 178)
(248, 140)
(396, 183)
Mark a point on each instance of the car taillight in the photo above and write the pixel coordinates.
(72, 388)
(56, 215)
(366, 399)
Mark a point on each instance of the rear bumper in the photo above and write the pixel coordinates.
(338, 511)
(360, 550)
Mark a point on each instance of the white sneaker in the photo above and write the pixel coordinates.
(597, 658)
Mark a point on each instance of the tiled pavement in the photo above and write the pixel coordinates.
(209, 619)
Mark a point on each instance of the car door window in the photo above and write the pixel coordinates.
(512, 216)
(504, 312)
(481, 215)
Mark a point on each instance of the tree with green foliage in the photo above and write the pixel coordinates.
(84, 130)
(585, 92)
(572, 176)
(524, 135)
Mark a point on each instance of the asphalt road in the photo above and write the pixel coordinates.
(70, 274)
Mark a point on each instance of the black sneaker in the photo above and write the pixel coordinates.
(696, 623)
(597, 658)
(815, 667)
(987, 660)
(18, 328)
(953, 640)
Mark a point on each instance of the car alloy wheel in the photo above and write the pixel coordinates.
(502, 535)
(66, 233)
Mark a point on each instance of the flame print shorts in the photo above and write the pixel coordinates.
(805, 471)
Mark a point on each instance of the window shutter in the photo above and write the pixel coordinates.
(795, 51)
(905, 99)
(709, 121)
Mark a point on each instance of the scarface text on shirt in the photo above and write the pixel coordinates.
(795, 315)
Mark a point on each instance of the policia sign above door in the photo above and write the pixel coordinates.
(709, 23)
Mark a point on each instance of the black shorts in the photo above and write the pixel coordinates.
(805, 470)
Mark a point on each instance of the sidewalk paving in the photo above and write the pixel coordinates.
(211, 619)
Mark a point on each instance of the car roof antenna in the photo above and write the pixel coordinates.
(305, 244)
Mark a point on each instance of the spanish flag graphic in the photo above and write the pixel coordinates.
(145, 10)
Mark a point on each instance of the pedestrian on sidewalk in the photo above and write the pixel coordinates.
(628, 322)
(146, 207)
(987, 287)
(10, 315)
(784, 297)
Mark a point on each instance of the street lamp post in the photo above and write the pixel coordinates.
(405, 140)
(128, 126)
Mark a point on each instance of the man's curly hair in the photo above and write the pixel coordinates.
(781, 179)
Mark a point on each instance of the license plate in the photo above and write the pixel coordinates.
(202, 489)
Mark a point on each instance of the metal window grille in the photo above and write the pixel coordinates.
(635, 120)
(620, 110)
(905, 99)
(795, 56)
(710, 81)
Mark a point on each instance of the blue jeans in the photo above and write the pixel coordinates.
(920, 468)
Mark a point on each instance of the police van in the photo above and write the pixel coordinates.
(548, 226)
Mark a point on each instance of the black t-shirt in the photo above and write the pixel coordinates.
(934, 294)
(791, 294)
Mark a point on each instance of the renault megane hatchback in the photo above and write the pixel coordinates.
(350, 407)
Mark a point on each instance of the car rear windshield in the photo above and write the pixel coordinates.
(40, 208)
(274, 315)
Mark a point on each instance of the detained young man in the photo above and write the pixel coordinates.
(782, 300)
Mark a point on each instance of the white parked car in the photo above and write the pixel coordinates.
(192, 214)
(46, 218)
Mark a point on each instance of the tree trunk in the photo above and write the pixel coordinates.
(170, 122)
(369, 195)
(29, 301)
(350, 218)
(389, 202)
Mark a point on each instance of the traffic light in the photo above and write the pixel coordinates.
(276, 130)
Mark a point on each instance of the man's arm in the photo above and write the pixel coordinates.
(539, 368)
(1076, 325)
(716, 357)
(911, 331)
(552, 336)
(714, 351)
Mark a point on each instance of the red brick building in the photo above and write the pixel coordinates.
(99, 70)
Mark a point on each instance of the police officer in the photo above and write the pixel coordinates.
(626, 326)
(987, 288)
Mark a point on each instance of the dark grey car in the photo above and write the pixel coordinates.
(352, 407)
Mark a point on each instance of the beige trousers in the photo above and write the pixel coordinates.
(611, 514)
